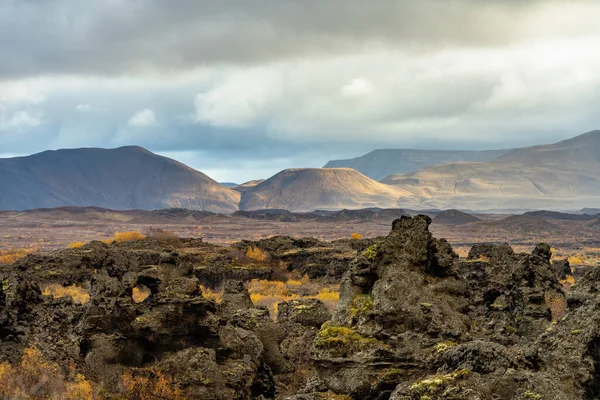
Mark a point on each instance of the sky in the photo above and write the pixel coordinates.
(242, 89)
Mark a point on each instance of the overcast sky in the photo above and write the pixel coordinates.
(242, 89)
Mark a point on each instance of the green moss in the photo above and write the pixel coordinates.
(437, 384)
(444, 346)
(332, 337)
(426, 305)
(371, 252)
(576, 332)
(392, 376)
(361, 304)
(529, 395)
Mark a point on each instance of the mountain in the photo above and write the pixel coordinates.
(228, 184)
(379, 164)
(123, 178)
(315, 188)
(454, 217)
(247, 185)
(563, 175)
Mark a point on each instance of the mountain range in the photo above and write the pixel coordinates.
(560, 176)
(380, 164)
(124, 178)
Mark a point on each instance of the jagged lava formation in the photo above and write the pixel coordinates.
(413, 322)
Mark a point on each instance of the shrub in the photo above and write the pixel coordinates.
(149, 384)
(256, 254)
(76, 245)
(140, 293)
(122, 237)
(356, 236)
(8, 257)
(78, 294)
(36, 378)
(210, 294)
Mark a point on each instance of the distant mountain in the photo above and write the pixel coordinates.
(228, 184)
(380, 164)
(327, 189)
(564, 175)
(124, 178)
(454, 217)
(247, 185)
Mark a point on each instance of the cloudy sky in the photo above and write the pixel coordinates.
(241, 89)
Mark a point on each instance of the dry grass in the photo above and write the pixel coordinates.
(270, 293)
(78, 294)
(8, 257)
(123, 237)
(256, 254)
(149, 384)
(140, 293)
(210, 294)
(356, 236)
(76, 245)
(36, 378)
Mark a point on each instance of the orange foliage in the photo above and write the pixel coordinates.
(256, 254)
(210, 294)
(149, 384)
(10, 256)
(37, 378)
(78, 294)
(356, 236)
(122, 237)
(140, 293)
(76, 245)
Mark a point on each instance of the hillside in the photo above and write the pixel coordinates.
(328, 189)
(564, 175)
(124, 178)
(379, 164)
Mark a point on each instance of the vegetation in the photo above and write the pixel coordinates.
(8, 257)
(149, 384)
(256, 254)
(123, 237)
(76, 245)
(356, 236)
(78, 294)
(140, 293)
(36, 378)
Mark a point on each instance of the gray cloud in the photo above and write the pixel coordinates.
(119, 36)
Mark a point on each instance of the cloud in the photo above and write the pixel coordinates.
(239, 100)
(83, 107)
(358, 87)
(19, 120)
(106, 37)
(143, 119)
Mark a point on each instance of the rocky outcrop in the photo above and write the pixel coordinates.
(414, 322)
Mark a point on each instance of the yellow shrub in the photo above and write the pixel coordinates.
(149, 384)
(140, 293)
(122, 237)
(36, 378)
(576, 260)
(78, 294)
(210, 294)
(76, 245)
(256, 254)
(10, 256)
(356, 236)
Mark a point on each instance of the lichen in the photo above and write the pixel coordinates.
(442, 347)
(371, 252)
(343, 339)
(361, 304)
(529, 395)
(437, 383)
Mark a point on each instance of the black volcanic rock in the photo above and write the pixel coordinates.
(124, 178)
